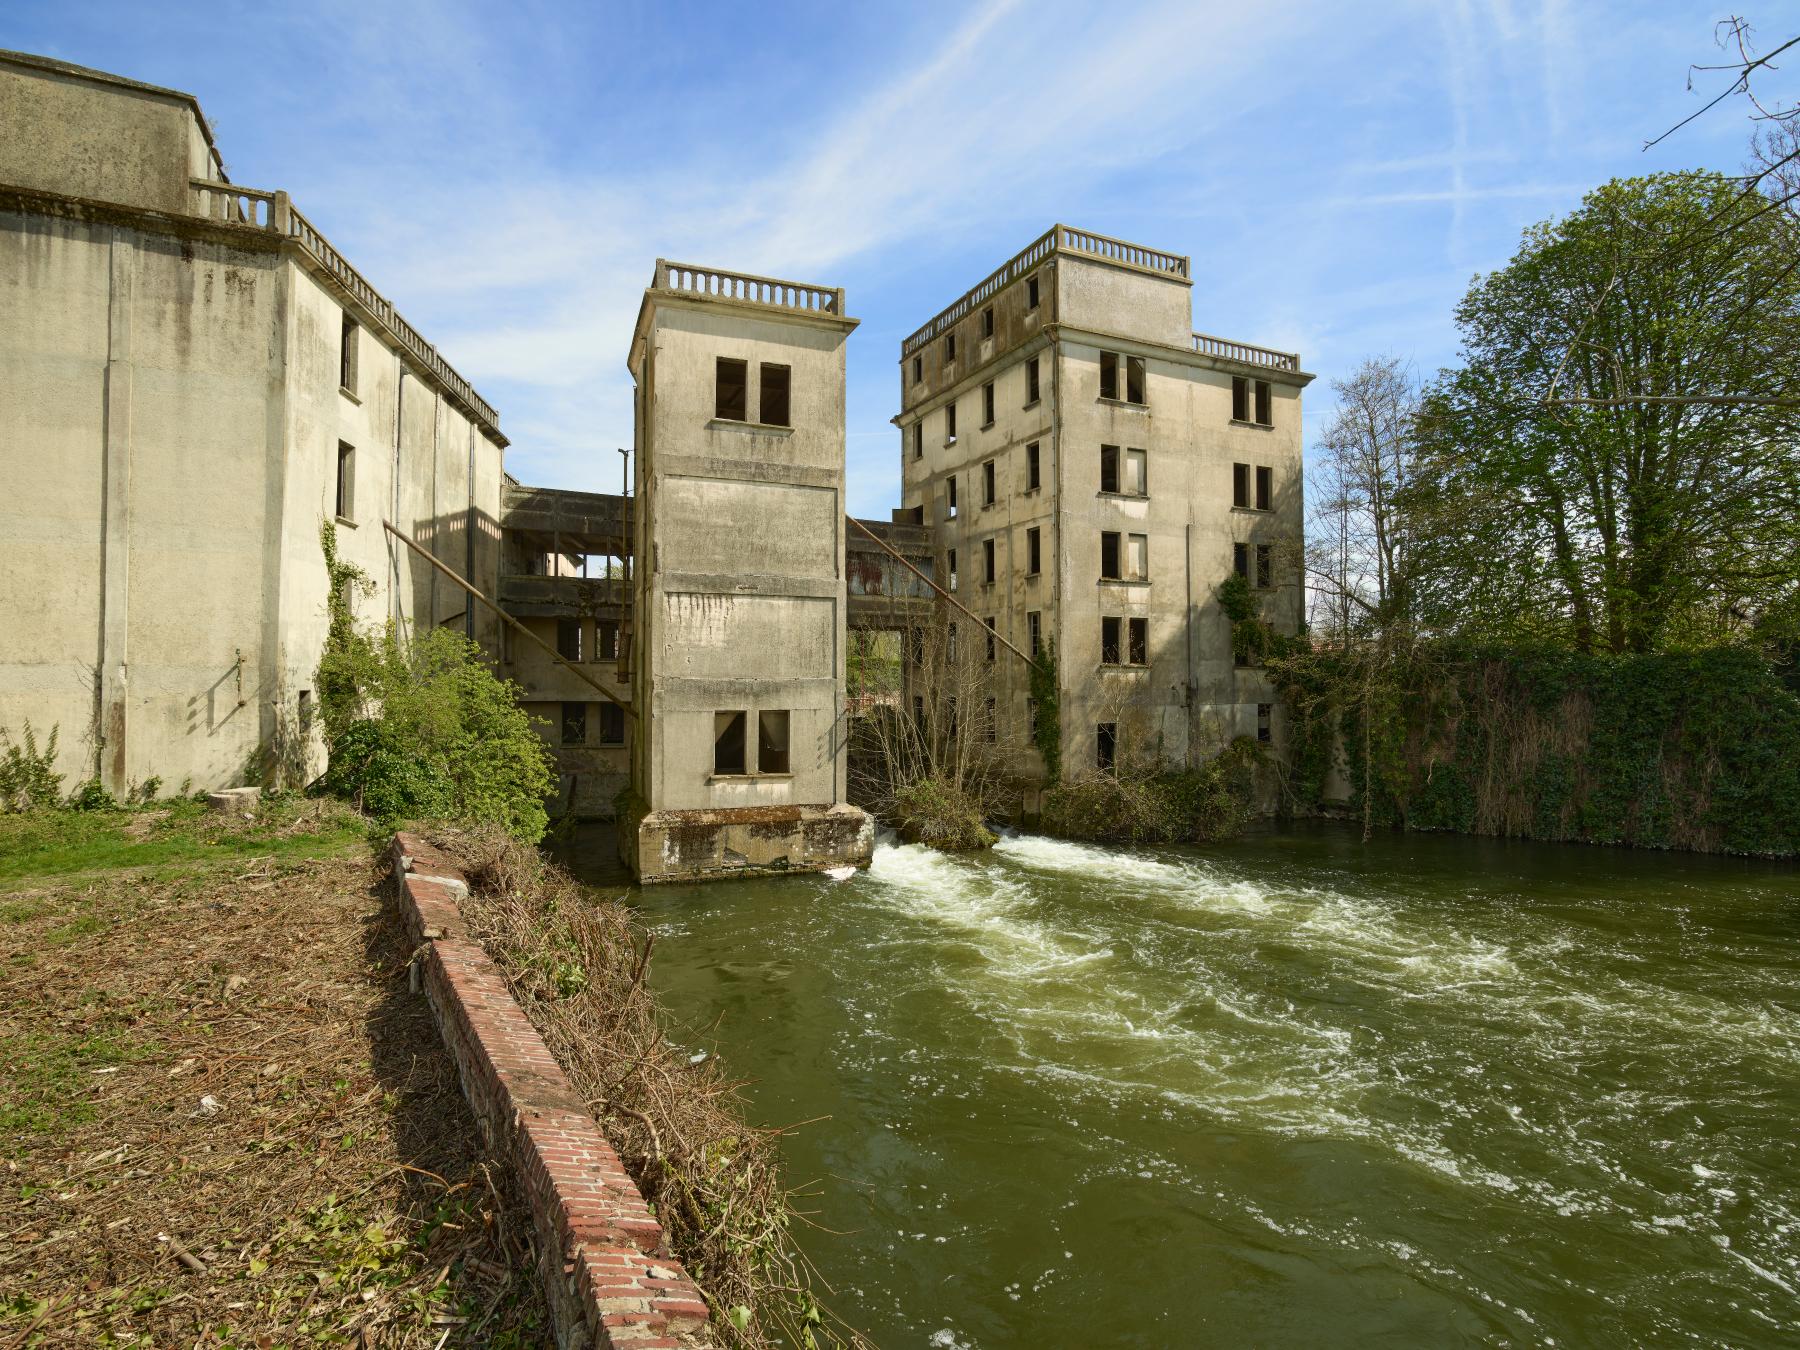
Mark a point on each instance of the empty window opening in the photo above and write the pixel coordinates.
(1109, 374)
(1109, 641)
(1240, 560)
(950, 557)
(1240, 485)
(347, 356)
(987, 483)
(731, 390)
(1137, 557)
(574, 724)
(1137, 646)
(612, 724)
(568, 639)
(773, 409)
(950, 497)
(1265, 722)
(1134, 481)
(772, 742)
(606, 640)
(988, 719)
(918, 435)
(346, 481)
(918, 369)
(1106, 742)
(1034, 629)
(1265, 487)
(1034, 541)
(987, 561)
(1032, 479)
(990, 638)
(1109, 468)
(1240, 399)
(728, 742)
(987, 404)
(950, 718)
(987, 322)
(1265, 566)
(950, 347)
(1031, 382)
(950, 643)
(1265, 415)
(949, 421)
(918, 646)
(1031, 292)
(1134, 380)
(1109, 555)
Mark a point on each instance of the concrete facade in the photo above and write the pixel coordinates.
(188, 373)
(1081, 347)
(739, 598)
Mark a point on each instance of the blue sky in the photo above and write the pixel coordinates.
(508, 174)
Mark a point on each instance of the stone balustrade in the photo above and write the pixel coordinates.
(1245, 353)
(744, 288)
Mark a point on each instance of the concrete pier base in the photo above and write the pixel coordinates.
(750, 841)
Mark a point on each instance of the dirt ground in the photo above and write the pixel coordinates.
(224, 1118)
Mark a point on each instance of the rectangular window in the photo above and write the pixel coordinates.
(1240, 399)
(731, 390)
(612, 724)
(1109, 374)
(987, 483)
(1265, 415)
(987, 561)
(950, 644)
(1240, 560)
(950, 421)
(987, 322)
(950, 497)
(772, 742)
(1265, 481)
(1109, 468)
(1138, 646)
(774, 395)
(1031, 292)
(1106, 745)
(1135, 482)
(574, 724)
(1034, 557)
(346, 481)
(950, 555)
(990, 639)
(1240, 485)
(1265, 722)
(1109, 641)
(728, 742)
(1137, 557)
(949, 348)
(987, 404)
(919, 713)
(606, 640)
(306, 712)
(1032, 479)
(1031, 382)
(568, 639)
(1135, 388)
(918, 434)
(987, 722)
(1034, 629)
(1109, 555)
(1265, 566)
(918, 369)
(347, 356)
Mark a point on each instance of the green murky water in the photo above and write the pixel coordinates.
(1296, 1091)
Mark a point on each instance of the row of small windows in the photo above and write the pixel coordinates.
(1123, 557)
(1032, 388)
(986, 329)
(731, 743)
(1124, 472)
(569, 634)
(731, 392)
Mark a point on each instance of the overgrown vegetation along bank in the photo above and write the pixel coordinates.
(1149, 806)
(225, 1118)
(579, 970)
(939, 814)
(1679, 750)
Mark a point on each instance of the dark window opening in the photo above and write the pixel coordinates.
(574, 724)
(987, 322)
(918, 646)
(772, 742)
(918, 369)
(1265, 566)
(1033, 551)
(950, 421)
(1265, 722)
(950, 347)
(1032, 481)
(919, 713)
(1109, 468)
(950, 718)
(612, 724)
(987, 483)
(990, 639)
(950, 497)
(1240, 560)
(346, 481)
(950, 555)
(1109, 375)
(1137, 650)
(728, 742)
(1031, 381)
(1031, 292)
(987, 561)
(950, 643)
(731, 390)
(1134, 380)
(1265, 415)
(987, 404)
(775, 385)
(606, 640)
(568, 639)
(1034, 629)
(347, 355)
(1109, 556)
(1240, 485)
(1240, 399)
(1109, 642)
(1265, 481)
(918, 440)
(1106, 742)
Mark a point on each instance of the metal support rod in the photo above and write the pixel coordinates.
(553, 654)
(981, 624)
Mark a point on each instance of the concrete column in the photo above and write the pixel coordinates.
(115, 554)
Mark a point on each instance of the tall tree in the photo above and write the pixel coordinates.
(1616, 463)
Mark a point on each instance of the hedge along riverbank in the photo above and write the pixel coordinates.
(1684, 750)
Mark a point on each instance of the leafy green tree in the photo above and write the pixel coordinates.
(1615, 465)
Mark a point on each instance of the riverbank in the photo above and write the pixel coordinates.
(225, 1118)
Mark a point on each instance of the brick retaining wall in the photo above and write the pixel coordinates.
(602, 1257)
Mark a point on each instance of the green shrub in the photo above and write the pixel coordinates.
(91, 796)
(933, 812)
(28, 778)
(1197, 805)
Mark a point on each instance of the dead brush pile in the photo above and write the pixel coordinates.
(578, 967)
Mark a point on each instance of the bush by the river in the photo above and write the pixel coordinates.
(1197, 805)
(937, 813)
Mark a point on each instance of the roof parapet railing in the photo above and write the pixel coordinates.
(274, 211)
(747, 288)
(1056, 239)
(1246, 353)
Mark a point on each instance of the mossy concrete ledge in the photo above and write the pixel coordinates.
(602, 1257)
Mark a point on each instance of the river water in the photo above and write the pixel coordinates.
(1291, 1091)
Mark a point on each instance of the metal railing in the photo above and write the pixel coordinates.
(743, 287)
(1245, 352)
(1057, 239)
(275, 212)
